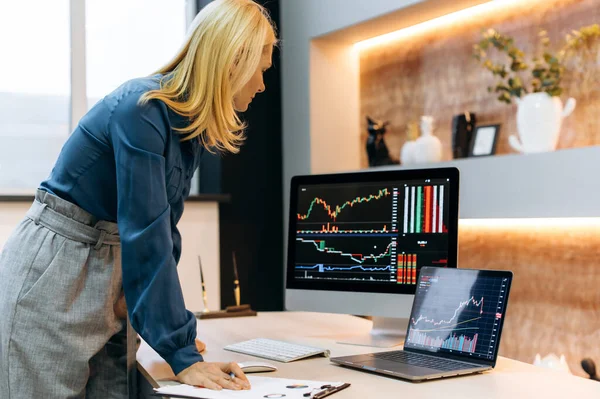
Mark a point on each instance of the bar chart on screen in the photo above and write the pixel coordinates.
(425, 209)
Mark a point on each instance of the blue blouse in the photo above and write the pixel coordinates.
(125, 163)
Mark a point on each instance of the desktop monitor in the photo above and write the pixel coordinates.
(357, 241)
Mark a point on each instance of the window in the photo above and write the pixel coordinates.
(129, 39)
(34, 90)
(49, 80)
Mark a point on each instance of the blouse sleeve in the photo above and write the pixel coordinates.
(152, 290)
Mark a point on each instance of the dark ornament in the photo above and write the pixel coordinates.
(377, 150)
(463, 126)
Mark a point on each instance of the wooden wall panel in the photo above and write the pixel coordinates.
(434, 73)
(554, 305)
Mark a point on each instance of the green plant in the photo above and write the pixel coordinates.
(584, 39)
(546, 70)
(580, 56)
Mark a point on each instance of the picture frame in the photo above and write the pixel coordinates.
(484, 141)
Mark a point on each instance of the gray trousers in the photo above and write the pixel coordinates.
(60, 276)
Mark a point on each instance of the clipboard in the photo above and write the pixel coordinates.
(266, 387)
(329, 391)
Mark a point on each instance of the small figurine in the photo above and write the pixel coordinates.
(377, 151)
(407, 153)
(428, 147)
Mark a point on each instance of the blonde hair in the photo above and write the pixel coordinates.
(220, 55)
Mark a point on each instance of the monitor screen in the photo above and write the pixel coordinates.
(373, 231)
(459, 312)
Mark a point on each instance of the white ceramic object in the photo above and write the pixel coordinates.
(552, 362)
(539, 119)
(428, 147)
(407, 154)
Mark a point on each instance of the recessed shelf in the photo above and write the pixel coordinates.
(559, 184)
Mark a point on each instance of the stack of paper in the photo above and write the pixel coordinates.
(262, 387)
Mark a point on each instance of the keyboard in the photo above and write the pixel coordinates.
(416, 359)
(276, 350)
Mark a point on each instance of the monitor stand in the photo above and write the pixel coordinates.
(386, 332)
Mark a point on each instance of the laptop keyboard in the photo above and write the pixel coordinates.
(415, 359)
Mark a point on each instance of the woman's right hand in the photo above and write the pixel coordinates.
(214, 376)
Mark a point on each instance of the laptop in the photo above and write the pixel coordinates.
(454, 327)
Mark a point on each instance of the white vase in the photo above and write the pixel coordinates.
(407, 154)
(428, 148)
(552, 362)
(539, 119)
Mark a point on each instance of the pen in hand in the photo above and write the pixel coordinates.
(243, 382)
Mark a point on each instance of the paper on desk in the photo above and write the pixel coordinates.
(262, 387)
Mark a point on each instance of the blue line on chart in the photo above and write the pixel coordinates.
(323, 268)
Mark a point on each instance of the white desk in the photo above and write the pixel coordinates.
(510, 379)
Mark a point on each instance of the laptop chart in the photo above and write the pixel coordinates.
(458, 313)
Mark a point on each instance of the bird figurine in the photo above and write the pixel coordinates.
(377, 150)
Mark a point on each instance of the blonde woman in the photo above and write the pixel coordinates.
(104, 222)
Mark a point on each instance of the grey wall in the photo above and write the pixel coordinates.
(301, 21)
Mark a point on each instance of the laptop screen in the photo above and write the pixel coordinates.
(459, 312)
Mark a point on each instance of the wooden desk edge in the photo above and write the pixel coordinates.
(147, 376)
